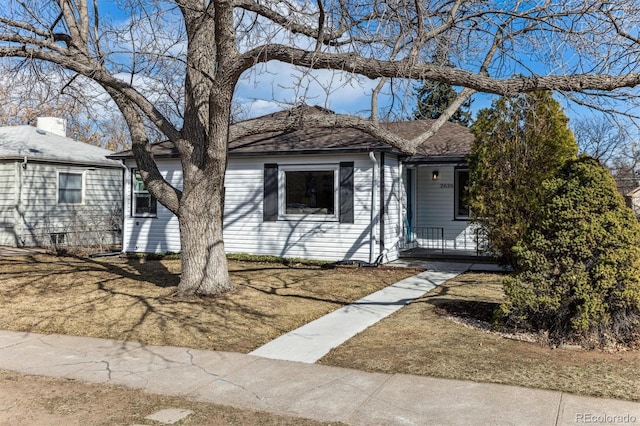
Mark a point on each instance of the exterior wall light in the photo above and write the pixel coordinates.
(435, 175)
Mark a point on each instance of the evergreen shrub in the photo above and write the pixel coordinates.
(578, 268)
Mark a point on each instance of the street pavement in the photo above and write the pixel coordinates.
(281, 377)
(301, 389)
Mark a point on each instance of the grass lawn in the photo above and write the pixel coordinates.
(32, 400)
(422, 339)
(133, 299)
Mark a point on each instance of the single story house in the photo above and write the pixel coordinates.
(326, 194)
(56, 190)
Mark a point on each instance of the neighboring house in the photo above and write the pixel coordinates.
(329, 194)
(632, 199)
(56, 190)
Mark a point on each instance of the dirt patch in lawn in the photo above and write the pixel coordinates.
(30, 400)
(133, 299)
(423, 339)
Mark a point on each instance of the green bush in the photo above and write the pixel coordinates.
(578, 269)
(519, 142)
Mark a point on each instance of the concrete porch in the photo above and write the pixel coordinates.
(447, 254)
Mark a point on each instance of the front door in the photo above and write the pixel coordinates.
(410, 206)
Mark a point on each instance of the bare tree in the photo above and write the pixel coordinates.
(498, 47)
(601, 138)
(21, 105)
(626, 167)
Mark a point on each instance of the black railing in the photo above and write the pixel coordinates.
(471, 242)
(481, 238)
(430, 238)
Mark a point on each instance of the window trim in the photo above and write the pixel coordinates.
(82, 189)
(283, 168)
(456, 191)
(133, 197)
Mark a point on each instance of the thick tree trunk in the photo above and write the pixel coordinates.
(204, 263)
(209, 85)
(200, 216)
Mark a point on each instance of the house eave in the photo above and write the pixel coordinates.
(325, 151)
(434, 160)
(62, 161)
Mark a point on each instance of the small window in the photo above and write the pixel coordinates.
(69, 188)
(142, 203)
(462, 194)
(309, 191)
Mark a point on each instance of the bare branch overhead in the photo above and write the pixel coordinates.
(204, 47)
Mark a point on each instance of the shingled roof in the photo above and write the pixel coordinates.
(452, 140)
(20, 142)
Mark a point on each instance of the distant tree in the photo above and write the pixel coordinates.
(520, 142)
(579, 274)
(22, 107)
(625, 167)
(435, 98)
(600, 138)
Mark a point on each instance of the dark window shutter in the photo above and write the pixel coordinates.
(346, 192)
(270, 202)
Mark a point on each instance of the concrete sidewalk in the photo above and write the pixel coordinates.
(300, 389)
(314, 340)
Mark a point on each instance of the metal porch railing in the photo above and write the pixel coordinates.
(430, 238)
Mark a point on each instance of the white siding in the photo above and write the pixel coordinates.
(8, 235)
(435, 207)
(246, 232)
(244, 229)
(159, 234)
(393, 195)
(95, 221)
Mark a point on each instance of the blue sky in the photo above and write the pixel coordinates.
(273, 86)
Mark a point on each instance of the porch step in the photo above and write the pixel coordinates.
(451, 255)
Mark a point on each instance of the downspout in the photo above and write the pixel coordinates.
(17, 213)
(382, 209)
(402, 203)
(372, 236)
(125, 169)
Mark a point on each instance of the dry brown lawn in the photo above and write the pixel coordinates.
(133, 299)
(422, 339)
(31, 400)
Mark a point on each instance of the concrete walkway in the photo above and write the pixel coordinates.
(314, 340)
(307, 390)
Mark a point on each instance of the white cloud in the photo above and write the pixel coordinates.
(280, 84)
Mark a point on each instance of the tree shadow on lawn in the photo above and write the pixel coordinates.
(131, 299)
(470, 309)
(456, 300)
(134, 299)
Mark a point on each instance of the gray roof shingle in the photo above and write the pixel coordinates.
(17, 142)
(452, 140)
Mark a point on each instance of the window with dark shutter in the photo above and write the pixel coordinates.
(314, 192)
(270, 202)
(346, 192)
